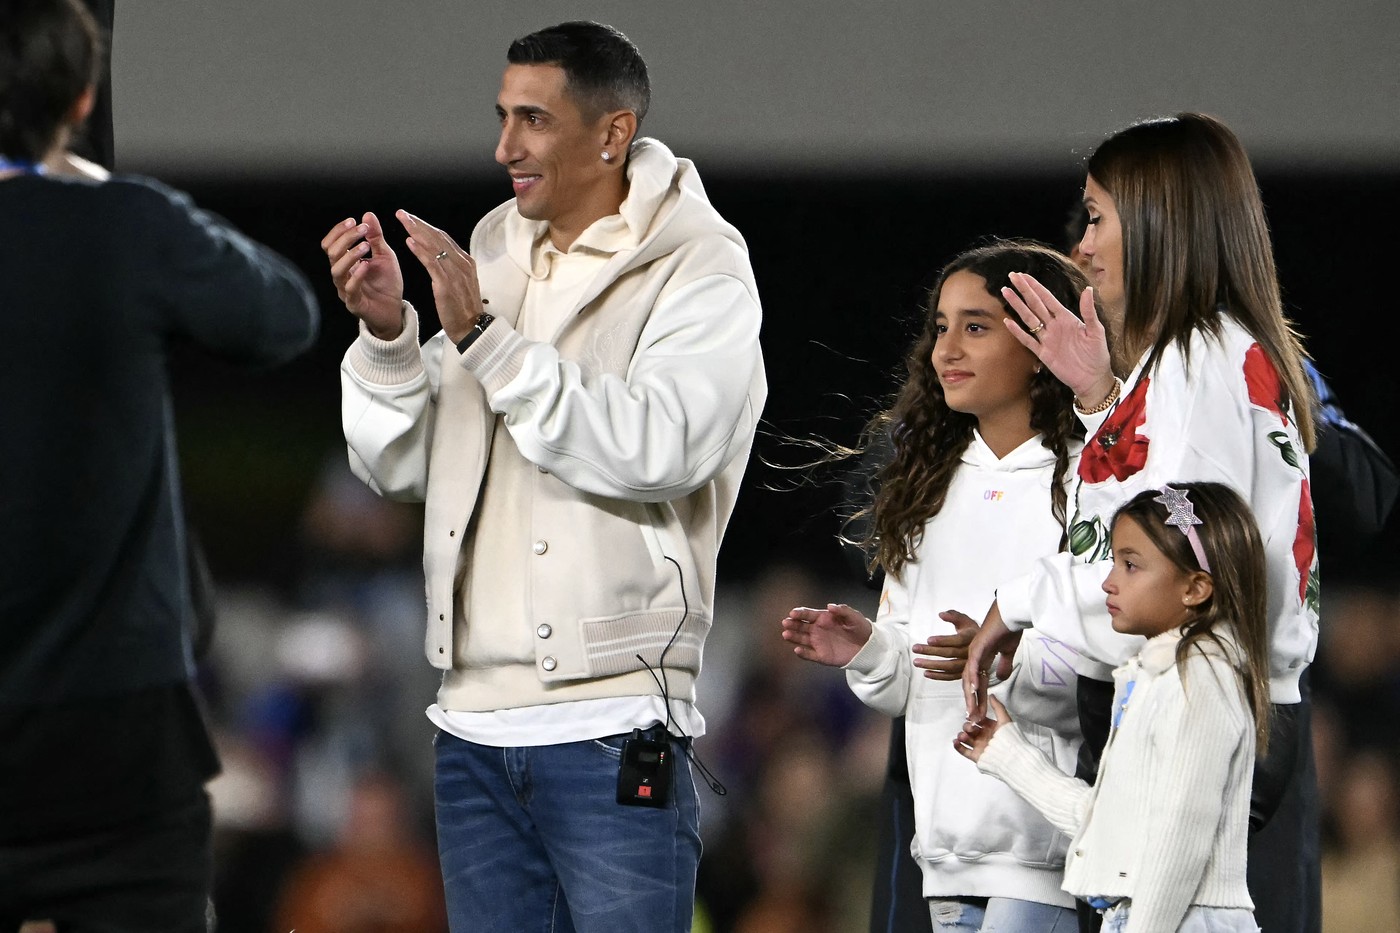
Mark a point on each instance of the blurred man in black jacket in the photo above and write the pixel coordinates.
(104, 822)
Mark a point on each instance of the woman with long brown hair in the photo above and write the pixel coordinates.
(1206, 382)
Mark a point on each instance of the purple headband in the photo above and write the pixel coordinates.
(1182, 514)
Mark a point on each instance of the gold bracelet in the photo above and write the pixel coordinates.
(1105, 404)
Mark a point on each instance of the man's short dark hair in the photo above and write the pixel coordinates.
(50, 51)
(604, 70)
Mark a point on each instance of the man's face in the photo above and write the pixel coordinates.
(553, 154)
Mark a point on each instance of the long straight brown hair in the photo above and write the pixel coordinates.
(1195, 240)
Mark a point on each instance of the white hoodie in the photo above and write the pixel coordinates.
(973, 836)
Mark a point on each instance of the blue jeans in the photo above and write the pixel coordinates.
(533, 840)
(1197, 920)
(999, 915)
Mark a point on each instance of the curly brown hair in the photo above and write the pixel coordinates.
(928, 438)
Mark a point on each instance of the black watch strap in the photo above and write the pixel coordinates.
(482, 322)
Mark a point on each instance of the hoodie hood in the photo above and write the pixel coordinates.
(666, 207)
(1031, 455)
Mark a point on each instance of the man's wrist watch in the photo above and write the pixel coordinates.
(479, 328)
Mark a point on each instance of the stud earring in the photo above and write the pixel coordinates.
(607, 156)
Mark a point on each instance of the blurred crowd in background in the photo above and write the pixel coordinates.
(323, 813)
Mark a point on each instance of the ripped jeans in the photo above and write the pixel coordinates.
(999, 915)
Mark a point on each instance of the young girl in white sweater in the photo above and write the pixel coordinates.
(983, 445)
(1160, 839)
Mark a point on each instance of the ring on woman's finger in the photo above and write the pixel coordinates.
(1037, 328)
(441, 256)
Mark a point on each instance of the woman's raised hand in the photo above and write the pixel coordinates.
(1075, 351)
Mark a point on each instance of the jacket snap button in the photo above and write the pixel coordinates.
(545, 630)
(541, 547)
(549, 664)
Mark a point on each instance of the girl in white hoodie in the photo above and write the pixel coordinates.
(984, 442)
(1160, 838)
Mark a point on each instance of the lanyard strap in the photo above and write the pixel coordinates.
(20, 165)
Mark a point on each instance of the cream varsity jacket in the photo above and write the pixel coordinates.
(639, 415)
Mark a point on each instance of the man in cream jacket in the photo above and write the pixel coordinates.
(578, 430)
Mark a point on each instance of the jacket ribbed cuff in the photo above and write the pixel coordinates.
(497, 356)
(876, 658)
(1007, 748)
(388, 362)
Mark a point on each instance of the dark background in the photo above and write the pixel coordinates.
(842, 263)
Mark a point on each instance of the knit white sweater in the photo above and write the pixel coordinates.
(1167, 823)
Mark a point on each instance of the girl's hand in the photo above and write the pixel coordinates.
(1075, 351)
(830, 636)
(943, 657)
(972, 740)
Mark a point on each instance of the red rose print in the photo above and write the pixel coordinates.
(1261, 378)
(1117, 449)
(1305, 541)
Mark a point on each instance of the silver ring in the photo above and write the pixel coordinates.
(443, 255)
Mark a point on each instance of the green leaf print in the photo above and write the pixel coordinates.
(1285, 447)
(1081, 537)
(1313, 597)
(1088, 536)
(1105, 549)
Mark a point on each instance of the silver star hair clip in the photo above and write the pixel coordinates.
(1182, 514)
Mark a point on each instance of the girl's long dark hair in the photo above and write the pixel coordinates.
(1235, 551)
(928, 438)
(1195, 240)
